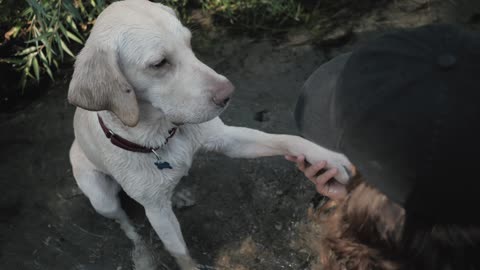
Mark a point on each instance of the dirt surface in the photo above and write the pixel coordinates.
(246, 213)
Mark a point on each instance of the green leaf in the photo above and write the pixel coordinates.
(43, 58)
(26, 72)
(74, 37)
(29, 75)
(13, 61)
(49, 52)
(23, 81)
(73, 26)
(66, 49)
(62, 29)
(48, 71)
(100, 4)
(55, 63)
(29, 61)
(39, 38)
(69, 7)
(37, 8)
(59, 45)
(36, 69)
(48, 47)
(81, 6)
(26, 51)
(91, 15)
(27, 12)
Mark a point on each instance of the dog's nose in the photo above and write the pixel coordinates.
(223, 93)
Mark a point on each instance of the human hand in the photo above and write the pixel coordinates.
(324, 181)
(313, 154)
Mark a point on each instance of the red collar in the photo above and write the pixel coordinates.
(128, 145)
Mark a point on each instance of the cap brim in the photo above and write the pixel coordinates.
(314, 112)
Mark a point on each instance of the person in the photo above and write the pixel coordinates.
(404, 108)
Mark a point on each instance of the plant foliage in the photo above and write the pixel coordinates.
(50, 31)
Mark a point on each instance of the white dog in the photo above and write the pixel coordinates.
(135, 83)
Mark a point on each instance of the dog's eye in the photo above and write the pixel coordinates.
(160, 64)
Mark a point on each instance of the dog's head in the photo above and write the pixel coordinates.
(139, 52)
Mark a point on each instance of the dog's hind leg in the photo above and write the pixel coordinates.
(100, 190)
(103, 195)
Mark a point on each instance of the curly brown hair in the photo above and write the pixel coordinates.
(367, 231)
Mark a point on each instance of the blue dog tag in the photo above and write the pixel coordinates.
(162, 165)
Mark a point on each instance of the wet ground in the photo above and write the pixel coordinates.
(246, 212)
(48, 224)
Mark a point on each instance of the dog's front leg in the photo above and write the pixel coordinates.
(242, 142)
(165, 224)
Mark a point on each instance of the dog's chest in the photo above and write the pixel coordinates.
(138, 174)
(168, 164)
(176, 156)
(143, 180)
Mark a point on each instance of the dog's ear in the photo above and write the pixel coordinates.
(170, 10)
(166, 8)
(98, 84)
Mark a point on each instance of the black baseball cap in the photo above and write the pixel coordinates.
(405, 109)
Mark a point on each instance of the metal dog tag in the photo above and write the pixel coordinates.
(161, 165)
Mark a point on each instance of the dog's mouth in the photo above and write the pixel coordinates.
(180, 121)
